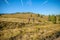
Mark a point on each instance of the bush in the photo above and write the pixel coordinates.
(52, 18)
(38, 15)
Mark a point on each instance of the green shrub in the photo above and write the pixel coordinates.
(38, 15)
(52, 18)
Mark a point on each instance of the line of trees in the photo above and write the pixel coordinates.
(54, 18)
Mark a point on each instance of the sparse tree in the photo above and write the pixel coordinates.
(38, 15)
(49, 18)
(52, 18)
(59, 17)
(0, 14)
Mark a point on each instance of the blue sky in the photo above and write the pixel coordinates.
(36, 6)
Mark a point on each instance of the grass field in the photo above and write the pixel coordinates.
(28, 27)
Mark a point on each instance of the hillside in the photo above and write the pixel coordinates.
(28, 26)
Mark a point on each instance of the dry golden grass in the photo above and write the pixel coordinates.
(40, 29)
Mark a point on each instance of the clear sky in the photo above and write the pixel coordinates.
(36, 6)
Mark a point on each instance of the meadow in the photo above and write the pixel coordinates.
(29, 26)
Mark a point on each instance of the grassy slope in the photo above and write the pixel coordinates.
(31, 32)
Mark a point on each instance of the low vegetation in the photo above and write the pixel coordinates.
(29, 26)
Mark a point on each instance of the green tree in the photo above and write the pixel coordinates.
(38, 15)
(58, 18)
(52, 18)
(0, 14)
(49, 19)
